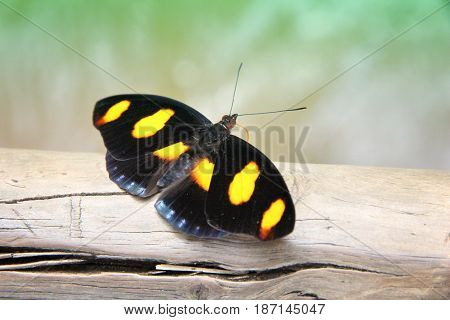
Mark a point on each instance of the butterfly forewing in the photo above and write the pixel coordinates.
(133, 124)
(143, 135)
(248, 194)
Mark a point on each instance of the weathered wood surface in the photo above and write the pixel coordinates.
(66, 231)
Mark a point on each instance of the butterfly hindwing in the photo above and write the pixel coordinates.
(133, 124)
(137, 175)
(248, 194)
(182, 204)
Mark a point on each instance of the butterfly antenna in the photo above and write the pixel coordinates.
(235, 86)
(256, 113)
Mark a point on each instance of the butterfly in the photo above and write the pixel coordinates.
(211, 183)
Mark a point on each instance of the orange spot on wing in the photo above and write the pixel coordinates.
(271, 217)
(148, 126)
(202, 173)
(171, 152)
(114, 112)
(243, 184)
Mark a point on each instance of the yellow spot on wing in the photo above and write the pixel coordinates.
(114, 112)
(171, 152)
(202, 173)
(243, 184)
(148, 126)
(271, 217)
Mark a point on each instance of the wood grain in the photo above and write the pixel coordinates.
(66, 231)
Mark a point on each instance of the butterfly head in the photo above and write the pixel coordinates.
(229, 121)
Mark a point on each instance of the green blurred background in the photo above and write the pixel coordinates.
(390, 110)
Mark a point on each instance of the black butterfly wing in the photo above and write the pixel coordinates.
(182, 204)
(143, 135)
(133, 124)
(248, 194)
(138, 175)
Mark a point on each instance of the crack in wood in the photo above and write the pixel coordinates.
(84, 264)
(14, 185)
(79, 218)
(75, 218)
(32, 265)
(70, 216)
(9, 241)
(18, 255)
(301, 293)
(67, 195)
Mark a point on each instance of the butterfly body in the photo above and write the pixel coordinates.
(212, 183)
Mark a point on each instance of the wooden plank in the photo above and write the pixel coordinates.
(361, 232)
